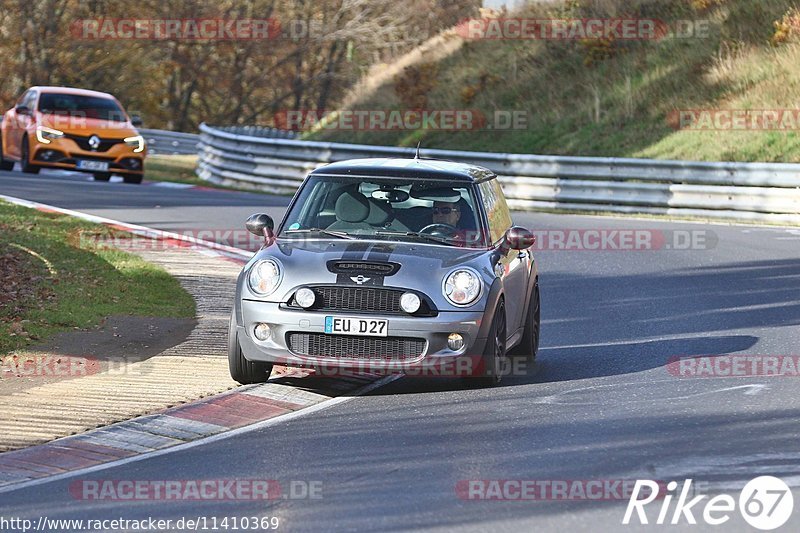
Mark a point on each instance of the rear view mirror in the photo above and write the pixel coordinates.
(136, 120)
(392, 196)
(23, 110)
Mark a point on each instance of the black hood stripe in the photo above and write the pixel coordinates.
(380, 253)
(365, 251)
(355, 251)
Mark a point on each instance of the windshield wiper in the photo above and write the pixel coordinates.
(339, 234)
(432, 238)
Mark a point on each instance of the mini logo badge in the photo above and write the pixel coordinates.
(360, 279)
(94, 142)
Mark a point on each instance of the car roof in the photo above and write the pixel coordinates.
(70, 90)
(406, 168)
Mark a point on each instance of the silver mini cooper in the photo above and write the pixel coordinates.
(397, 265)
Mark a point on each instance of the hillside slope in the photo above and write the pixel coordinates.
(614, 97)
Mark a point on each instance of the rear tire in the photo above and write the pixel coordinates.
(133, 179)
(4, 164)
(529, 345)
(24, 159)
(102, 176)
(242, 370)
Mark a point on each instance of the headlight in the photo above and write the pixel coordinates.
(44, 134)
(462, 286)
(264, 277)
(137, 141)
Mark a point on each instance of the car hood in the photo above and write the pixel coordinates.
(89, 126)
(422, 267)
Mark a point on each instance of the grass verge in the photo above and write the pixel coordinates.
(56, 277)
(174, 168)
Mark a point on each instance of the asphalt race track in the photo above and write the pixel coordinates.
(602, 404)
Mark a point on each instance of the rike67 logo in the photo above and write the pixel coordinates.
(765, 503)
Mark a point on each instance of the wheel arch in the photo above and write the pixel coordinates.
(496, 295)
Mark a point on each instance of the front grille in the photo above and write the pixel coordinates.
(347, 346)
(83, 142)
(366, 299)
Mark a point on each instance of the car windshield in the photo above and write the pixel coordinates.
(75, 105)
(418, 210)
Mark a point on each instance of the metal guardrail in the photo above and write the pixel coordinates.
(165, 142)
(258, 131)
(765, 192)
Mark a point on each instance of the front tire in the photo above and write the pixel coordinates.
(242, 370)
(4, 163)
(101, 176)
(25, 157)
(494, 355)
(133, 179)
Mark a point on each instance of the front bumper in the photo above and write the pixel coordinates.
(434, 331)
(65, 153)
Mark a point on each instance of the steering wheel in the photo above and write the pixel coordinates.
(445, 230)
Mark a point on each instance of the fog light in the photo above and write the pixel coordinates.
(409, 302)
(131, 163)
(455, 342)
(48, 155)
(305, 297)
(262, 331)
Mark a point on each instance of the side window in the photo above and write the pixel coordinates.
(494, 203)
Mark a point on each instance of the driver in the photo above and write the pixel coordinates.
(446, 213)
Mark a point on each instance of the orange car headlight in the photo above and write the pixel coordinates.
(45, 135)
(137, 141)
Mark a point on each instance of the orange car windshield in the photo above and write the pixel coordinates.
(74, 105)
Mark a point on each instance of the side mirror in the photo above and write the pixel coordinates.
(136, 121)
(519, 238)
(261, 225)
(23, 110)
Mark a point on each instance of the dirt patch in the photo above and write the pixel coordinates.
(21, 288)
(118, 341)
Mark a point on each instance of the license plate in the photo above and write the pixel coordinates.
(345, 325)
(92, 165)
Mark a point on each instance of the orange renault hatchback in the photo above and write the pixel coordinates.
(73, 129)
